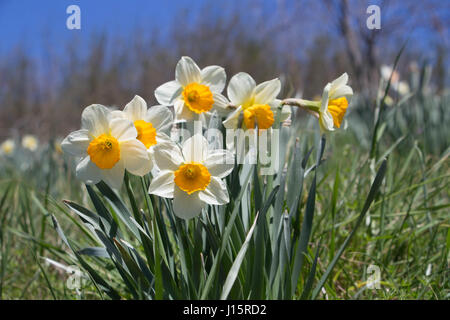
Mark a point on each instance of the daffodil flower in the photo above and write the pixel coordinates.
(255, 104)
(8, 146)
(106, 146)
(335, 99)
(29, 142)
(192, 175)
(194, 93)
(152, 124)
(332, 107)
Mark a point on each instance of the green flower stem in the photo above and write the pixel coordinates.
(301, 103)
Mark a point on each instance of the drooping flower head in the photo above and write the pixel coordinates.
(192, 175)
(195, 92)
(106, 146)
(255, 103)
(30, 142)
(8, 146)
(335, 100)
(152, 125)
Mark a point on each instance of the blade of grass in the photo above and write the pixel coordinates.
(372, 193)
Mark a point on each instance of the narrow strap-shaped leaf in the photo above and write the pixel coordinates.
(120, 208)
(94, 252)
(96, 278)
(225, 237)
(304, 236)
(232, 274)
(259, 268)
(312, 273)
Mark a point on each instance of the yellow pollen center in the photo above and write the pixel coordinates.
(191, 177)
(337, 109)
(104, 151)
(198, 97)
(261, 113)
(146, 133)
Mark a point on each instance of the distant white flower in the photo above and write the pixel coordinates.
(401, 87)
(335, 99)
(192, 175)
(152, 124)
(8, 146)
(255, 103)
(195, 92)
(106, 146)
(30, 142)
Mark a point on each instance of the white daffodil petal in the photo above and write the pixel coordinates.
(182, 112)
(214, 77)
(324, 103)
(178, 106)
(267, 91)
(160, 117)
(342, 91)
(167, 93)
(167, 156)
(341, 81)
(76, 143)
(186, 206)
(114, 176)
(117, 114)
(216, 192)
(136, 109)
(95, 118)
(135, 157)
(163, 138)
(195, 149)
(123, 129)
(187, 72)
(87, 171)
(219, 163)
(185, 115)
(241, 88)
(220, 105)
(232, 121)
(163, 185)
(326, 122)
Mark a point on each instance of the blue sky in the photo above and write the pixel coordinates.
(28, 22)
(40, 25)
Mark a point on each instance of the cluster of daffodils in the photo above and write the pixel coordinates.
(136, 139)
(29, 142)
